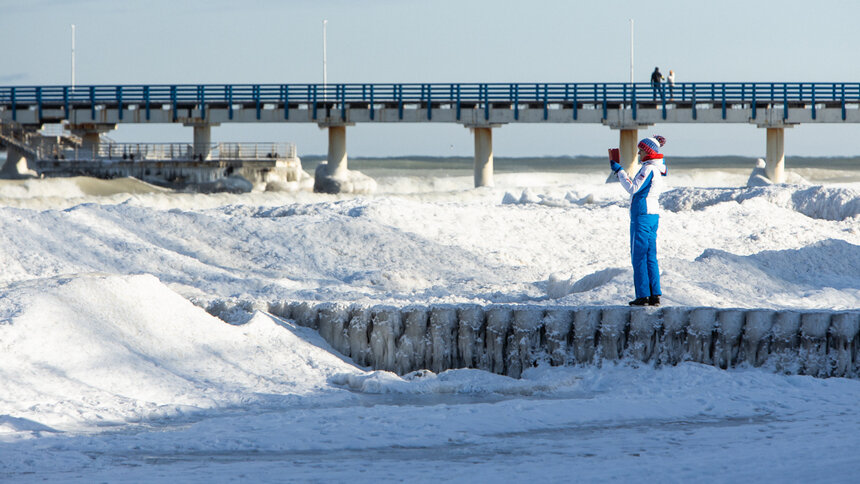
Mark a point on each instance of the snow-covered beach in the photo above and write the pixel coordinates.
(111, 369)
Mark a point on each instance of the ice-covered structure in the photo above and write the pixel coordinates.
(506, 339)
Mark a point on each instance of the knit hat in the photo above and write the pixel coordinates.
(652, 145)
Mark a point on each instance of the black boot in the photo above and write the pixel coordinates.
(654, 300)
(639, 301)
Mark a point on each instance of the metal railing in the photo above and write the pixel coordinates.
(414, 92)
(183, 152)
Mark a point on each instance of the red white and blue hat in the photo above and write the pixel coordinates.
(652, 145)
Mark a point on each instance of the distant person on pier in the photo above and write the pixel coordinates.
(670, 79)
(656, 80)
(644, 189)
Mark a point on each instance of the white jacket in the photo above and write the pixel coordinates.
(645, 187)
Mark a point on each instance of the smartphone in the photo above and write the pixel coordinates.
(614, 154)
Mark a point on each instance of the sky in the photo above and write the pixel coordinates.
(388, 41)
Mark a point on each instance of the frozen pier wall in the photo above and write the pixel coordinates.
(507, 339)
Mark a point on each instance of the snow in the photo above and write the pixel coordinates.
(111, 369)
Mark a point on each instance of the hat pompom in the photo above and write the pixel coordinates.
(660, 139)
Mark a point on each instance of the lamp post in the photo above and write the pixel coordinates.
(325, 74)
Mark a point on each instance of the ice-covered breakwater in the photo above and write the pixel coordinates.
(506, 339)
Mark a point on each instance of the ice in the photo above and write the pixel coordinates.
(333, 319)
(498, 326)
(386, 329)
(730, 324)
(756, 336)
(844, 341)
(558, 324)
(700, 338)
(613, 325)
(358, 333)
(524, 341)
(412, 351)
(586, 322)
(644, 326)
(814, 327)
(443, 331)
(470, 337)
(676, 320)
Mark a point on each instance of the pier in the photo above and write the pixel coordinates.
(480, 107)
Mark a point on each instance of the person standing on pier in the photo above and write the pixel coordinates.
(644, 189)
(670, 79)
(656, 80)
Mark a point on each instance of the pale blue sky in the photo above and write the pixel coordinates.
(268, 41)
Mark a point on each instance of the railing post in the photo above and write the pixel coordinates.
(633, 103)
(372, 111)
(486, 90)
(119, 101)
(93, 103)
(693, 105)
(724, 100)
(545, 102)
(429, 102)
(813, 100)
(66, 100)
(229, 93)
(146, 100)
(39, 104)
(399, 90)
(173, 101)
(457, 89)
(14, 107)
(575, 101)
(784, 101)
(312, 94)
(286, 88)
(843, 101)
(753, 101)
(256, 92)
(605, 107)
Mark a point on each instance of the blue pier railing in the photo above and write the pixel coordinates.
(537, 95)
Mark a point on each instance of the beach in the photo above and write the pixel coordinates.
(113, 370)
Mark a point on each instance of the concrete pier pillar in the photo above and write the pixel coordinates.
(775, 155)
(483, 157)
(337, 160)
(627, 141)
(16, 164)
(202, 141)
(90, 134)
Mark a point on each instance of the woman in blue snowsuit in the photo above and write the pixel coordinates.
(645, 189)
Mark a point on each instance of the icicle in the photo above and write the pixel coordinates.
(524, 340)
(280, 309)
(304, 314)
(385, 330)
(673, 345)
(358, 332)
(558, 323)
(412, 354)
(586, 322)
(783, 354)
(844, 327)
(443, 337)
(757, 336)
(813, 343)
(333, 319)
(700, 335)
(613, 334)
(498, 327)
(470, 337)
(644, 324)
(730, 325)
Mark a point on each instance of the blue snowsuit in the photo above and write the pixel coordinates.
(645, 190)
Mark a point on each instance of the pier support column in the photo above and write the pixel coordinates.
(483, 157)
(90, 134)
(627, 141)
(202, 147)
(775, 155)
(333, 176)
(337, 161)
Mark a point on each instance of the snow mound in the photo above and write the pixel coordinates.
(828, 203)
(96, 350)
